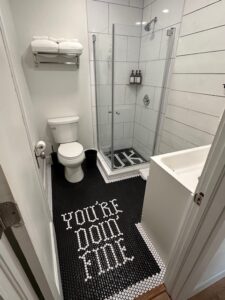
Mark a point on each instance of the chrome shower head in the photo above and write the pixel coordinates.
(148, 25)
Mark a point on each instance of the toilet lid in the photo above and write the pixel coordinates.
(70, 150)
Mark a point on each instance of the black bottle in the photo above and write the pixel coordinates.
(132, 77)
(140, 77)
(136, 77)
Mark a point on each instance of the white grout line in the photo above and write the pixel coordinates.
(200, 8)
(203, 30)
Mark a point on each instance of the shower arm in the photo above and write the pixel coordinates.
(148, 25)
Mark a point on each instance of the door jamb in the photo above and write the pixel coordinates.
(177, 270)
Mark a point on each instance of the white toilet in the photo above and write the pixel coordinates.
(70, 153)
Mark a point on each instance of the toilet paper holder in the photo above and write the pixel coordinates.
(39, 148)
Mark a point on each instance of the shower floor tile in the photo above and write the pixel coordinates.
(103, 251)
(126, 158)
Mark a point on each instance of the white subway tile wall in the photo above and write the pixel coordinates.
(153, 54)
(196, 96)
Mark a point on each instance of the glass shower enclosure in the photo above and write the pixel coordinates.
(128, 114)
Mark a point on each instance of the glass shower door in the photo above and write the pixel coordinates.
(129, 114)
(126, 49)
(102, 87)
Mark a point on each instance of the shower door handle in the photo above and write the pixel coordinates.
(117, 112)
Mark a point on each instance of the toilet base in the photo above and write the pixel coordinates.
(74, 175)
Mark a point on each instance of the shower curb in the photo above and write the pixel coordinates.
(110, 176)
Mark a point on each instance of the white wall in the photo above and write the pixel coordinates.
(153, 56)
(215, 270)
(56, 90)
(196, 97)
(27, 106)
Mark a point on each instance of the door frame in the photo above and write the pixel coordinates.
(22, 110)
(20, 233)
(12, 271)
(198, 239)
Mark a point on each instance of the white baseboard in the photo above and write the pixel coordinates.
(205, 284)
(49, 186)
(55, 260)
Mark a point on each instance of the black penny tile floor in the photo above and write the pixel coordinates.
(102, 254)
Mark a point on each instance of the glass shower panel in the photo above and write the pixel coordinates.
(128, 115)
(138, 108)
(102, 86)
(127, 44)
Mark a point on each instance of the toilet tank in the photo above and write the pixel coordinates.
(64, 129)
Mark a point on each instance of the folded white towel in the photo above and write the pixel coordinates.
(70, 47)
(72, 40)
(44, 46)
(57, 40)
(40, 37)
(60, 40)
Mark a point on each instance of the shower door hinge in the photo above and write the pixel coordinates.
(9, 216)
(198, 197)
(170, 31)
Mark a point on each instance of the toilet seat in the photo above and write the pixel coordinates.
(70, 150)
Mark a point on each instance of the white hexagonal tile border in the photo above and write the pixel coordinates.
(148, 283)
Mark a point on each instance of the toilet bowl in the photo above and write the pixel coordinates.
(71, 156)
(70, 152)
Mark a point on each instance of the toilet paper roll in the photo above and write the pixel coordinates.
(41, 146)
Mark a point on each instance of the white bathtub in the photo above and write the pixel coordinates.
(172, 180)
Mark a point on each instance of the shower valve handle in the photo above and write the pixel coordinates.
(117, 112)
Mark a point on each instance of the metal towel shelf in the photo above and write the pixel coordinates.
(56, 58)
